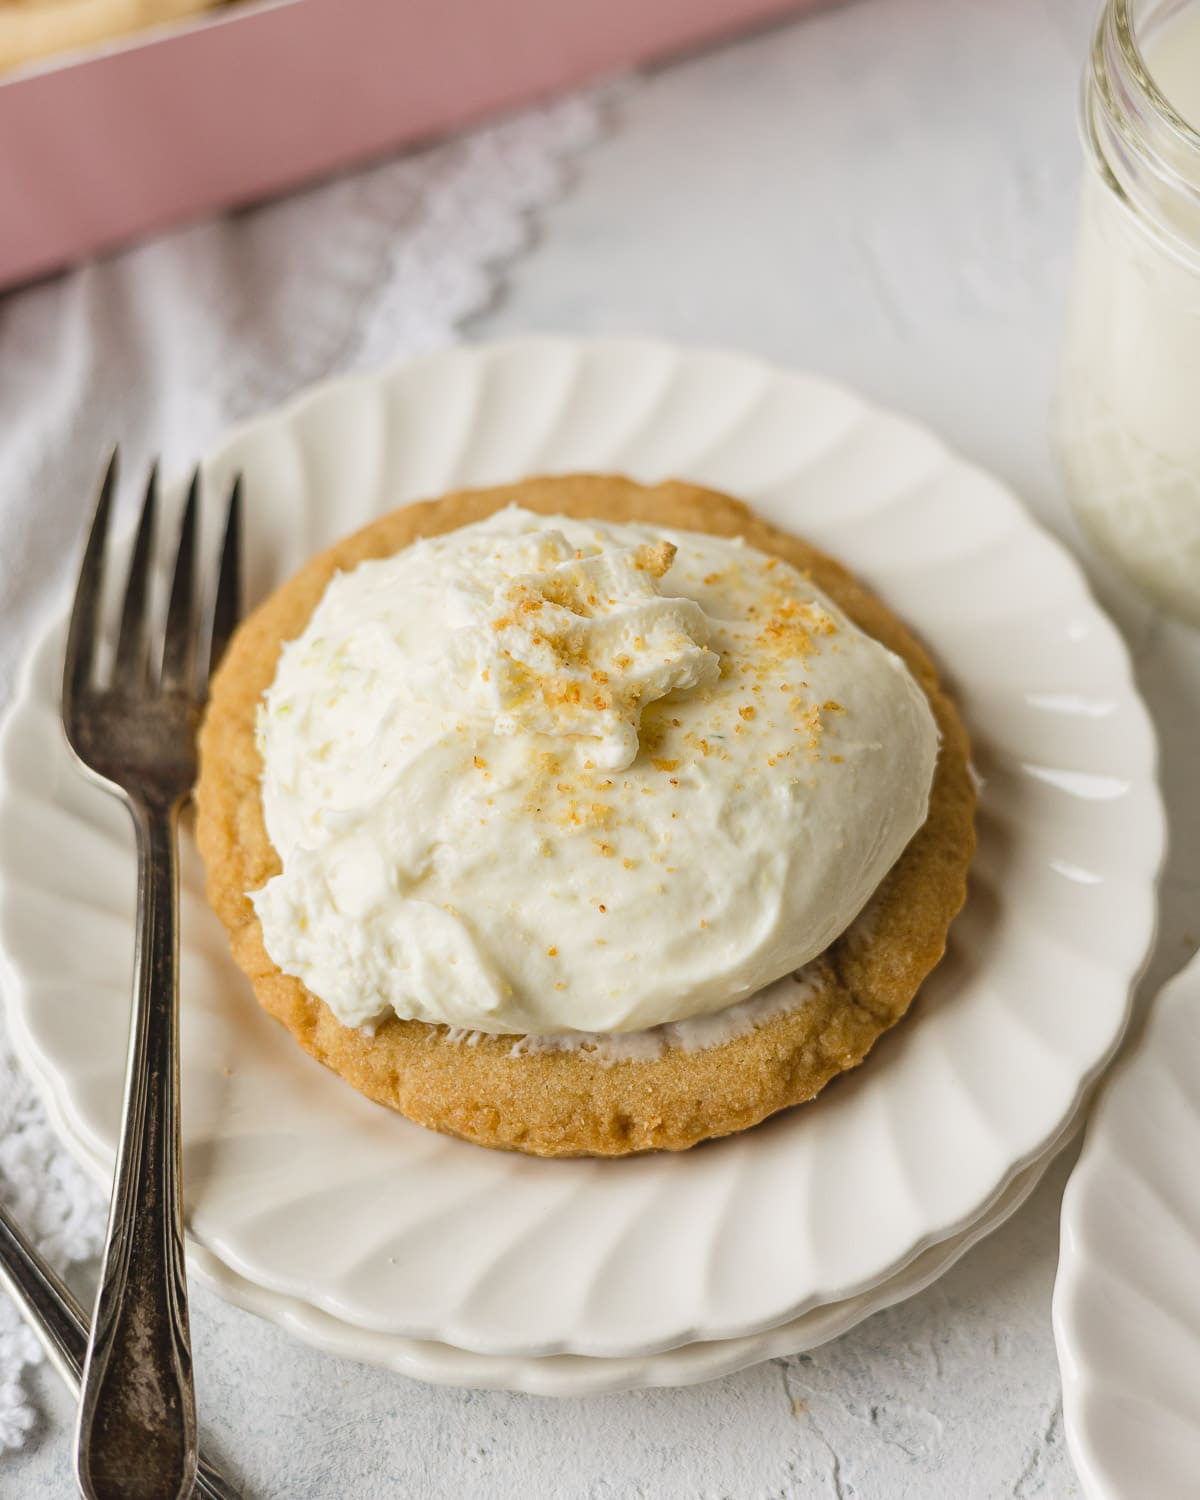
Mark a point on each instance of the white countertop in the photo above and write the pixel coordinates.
(884, 193)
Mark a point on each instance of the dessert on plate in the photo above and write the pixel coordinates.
(31, 29)
(581, 817)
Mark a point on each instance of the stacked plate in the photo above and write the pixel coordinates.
(372, 1238)
(1127, 1298)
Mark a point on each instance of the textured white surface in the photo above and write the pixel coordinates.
(886, 193)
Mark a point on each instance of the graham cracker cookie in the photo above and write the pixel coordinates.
(580, 1102)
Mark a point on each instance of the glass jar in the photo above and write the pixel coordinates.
(1128, 409)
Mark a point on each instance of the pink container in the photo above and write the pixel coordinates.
(103, 148)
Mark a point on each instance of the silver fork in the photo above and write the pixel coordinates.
(136, 736)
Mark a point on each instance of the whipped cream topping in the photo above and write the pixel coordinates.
(576, 646)
(548, 776)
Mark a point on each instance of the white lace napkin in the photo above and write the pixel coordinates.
(163, 347)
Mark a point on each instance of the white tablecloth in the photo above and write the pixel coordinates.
(160, 349)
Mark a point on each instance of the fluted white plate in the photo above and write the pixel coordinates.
(1127, 1295)
(302, 1187)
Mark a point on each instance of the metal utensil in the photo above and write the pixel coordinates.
(50, 1309)
(136, 735)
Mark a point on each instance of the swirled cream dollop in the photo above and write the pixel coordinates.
(543, 775)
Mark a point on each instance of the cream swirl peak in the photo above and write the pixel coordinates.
(576, 644)
(541, 775)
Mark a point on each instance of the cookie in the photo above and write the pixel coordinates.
(583, 1101)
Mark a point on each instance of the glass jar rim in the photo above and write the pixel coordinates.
(1125, 34)
(1128, 123)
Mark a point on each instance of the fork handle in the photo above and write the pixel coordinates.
(49, 1307)
(136, 1438)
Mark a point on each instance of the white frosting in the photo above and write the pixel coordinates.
(696, 1034)
(541, 775)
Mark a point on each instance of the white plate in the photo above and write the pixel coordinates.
(304, 1188)
(1127, 1296)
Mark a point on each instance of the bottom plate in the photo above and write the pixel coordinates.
(571, 1374)
(578, 1375)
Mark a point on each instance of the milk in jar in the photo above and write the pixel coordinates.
(1128, 410)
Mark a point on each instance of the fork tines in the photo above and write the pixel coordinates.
(183, 665)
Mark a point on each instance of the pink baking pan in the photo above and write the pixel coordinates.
(98, 149)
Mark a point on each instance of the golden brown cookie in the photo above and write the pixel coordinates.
(573, 1102)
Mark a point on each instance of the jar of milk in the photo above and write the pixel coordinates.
(1128, 414)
